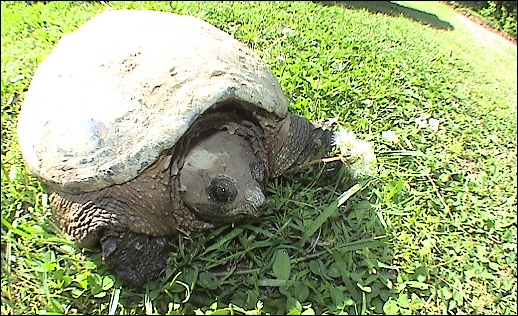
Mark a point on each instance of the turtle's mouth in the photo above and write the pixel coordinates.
(217, 214)
(249, 204)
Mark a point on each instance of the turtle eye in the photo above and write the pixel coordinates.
(223, 189)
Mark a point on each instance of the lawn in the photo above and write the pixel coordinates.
(434, 231)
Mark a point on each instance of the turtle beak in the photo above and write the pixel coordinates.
(256, 201)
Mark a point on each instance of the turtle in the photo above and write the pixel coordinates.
(144, 125)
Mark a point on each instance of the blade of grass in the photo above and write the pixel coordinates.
(317, 223)
(114, 301)
(236, 231)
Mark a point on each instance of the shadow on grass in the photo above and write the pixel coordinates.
(393, 9)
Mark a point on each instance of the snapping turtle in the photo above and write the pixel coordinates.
(146, 124)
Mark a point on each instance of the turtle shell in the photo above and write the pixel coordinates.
(113, 95)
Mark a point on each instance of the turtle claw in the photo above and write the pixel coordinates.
(134, 258)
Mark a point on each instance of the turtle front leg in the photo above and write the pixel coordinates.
(134, 258)
(296, 141)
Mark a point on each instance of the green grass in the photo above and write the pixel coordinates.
(433, 232)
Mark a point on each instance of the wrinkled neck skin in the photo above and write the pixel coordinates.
(295, 141)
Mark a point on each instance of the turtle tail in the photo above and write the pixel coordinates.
(296, 141)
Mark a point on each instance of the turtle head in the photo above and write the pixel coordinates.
(221, 180)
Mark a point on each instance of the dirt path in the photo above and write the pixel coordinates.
(487, 37)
